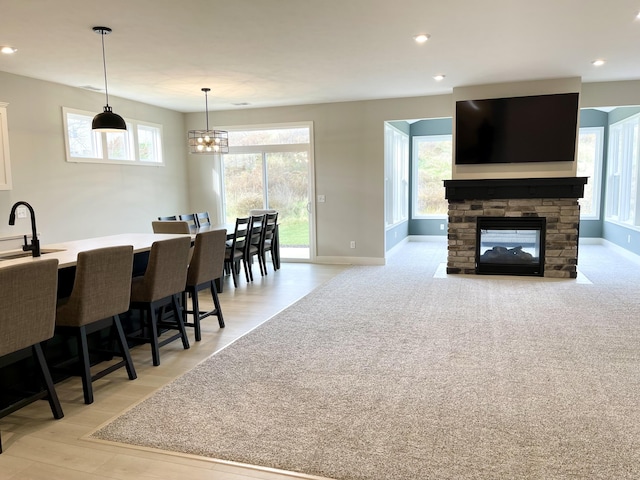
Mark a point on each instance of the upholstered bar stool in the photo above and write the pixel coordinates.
(101, 292)
(176, 226)
(207, 264)
(28, 304)
(161, 285)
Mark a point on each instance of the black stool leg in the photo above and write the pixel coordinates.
(216, 304)
(196, 314)
(85, 371)
(153, 336)
(54, 403)
(124, 348)
(183, 331)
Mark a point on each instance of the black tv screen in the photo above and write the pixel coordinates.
(540, 128)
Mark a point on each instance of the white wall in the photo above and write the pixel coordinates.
(79, 200)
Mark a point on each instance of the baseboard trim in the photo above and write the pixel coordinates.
(349, 260)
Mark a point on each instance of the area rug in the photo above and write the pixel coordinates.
(393, 373)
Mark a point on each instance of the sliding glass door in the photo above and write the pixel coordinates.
(259, 173)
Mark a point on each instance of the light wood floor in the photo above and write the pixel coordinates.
(38, 447)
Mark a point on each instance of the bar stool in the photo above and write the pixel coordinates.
(161, 285)
(101, 292)
(170, 226)
(28, 304)
(207, 264)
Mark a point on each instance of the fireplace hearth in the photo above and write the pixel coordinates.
(552, 200)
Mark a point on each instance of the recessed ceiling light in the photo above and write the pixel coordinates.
(8, 50)
(421, 37)
(438, 78)
(598, 63)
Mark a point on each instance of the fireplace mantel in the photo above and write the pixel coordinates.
(517, 188)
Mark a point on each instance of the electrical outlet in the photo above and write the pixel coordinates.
(353, 244)
(442, 226)
(628, 238)
(321, 199)
(21, 211)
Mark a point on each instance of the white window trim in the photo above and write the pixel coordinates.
(414, 175)
(131, 123)
(5, 163)
(633, 223)
(394, 205)
(597, 172)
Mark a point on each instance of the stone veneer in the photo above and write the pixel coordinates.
(561, 244)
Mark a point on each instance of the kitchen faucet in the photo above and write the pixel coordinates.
(35, 243)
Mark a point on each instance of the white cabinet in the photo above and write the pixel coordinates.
(5, 164)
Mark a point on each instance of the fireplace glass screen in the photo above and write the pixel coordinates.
(510, 245)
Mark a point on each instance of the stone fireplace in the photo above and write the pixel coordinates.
(504, 201)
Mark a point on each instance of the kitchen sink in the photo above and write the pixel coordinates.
(12, 254)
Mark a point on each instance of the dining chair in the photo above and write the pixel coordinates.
(191, 219)
(28, 294)
(206, 265)
(203, 218)
(101, 292)
(161, 285)
(170, 217)
(256, 244)
(270, 241)
(170, 226)
(234, 252)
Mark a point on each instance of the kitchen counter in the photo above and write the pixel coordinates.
(67, 252)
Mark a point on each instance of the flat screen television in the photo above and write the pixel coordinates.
(540, 128)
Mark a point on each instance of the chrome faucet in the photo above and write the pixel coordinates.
(35, 243)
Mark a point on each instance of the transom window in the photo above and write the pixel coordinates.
(140, 144)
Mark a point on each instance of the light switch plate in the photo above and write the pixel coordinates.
(321, 199)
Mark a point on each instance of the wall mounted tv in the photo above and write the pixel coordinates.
(540, 128)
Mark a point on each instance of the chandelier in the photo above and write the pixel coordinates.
(208, 142)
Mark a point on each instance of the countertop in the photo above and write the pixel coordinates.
(67, 252)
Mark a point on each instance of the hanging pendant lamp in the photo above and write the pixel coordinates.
(208, 142)
(107, 121)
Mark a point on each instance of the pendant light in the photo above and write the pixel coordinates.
(107, 121)
(208, 142)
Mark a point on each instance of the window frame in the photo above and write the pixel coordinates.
(396, 166)
(623, 157)
(414, 173)
(100, 142)
(596, 180)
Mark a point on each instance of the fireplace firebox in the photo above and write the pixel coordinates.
(510, 245)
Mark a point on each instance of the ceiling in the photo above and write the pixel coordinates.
(291, 52)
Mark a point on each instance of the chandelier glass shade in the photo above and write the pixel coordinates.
(208, 142)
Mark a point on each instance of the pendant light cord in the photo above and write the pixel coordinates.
(206, 106)
(104, 65)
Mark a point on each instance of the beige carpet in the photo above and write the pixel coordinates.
(391, 373)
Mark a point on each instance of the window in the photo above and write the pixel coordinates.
(590, 146)
(432, 157)
(270, 167)
(396, 165)
(622, 172)
(141, 144)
